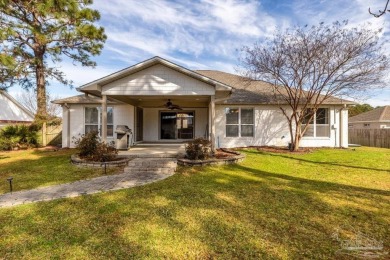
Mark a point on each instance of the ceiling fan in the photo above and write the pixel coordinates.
(172, 106)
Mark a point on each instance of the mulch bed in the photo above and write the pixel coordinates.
(273, 149)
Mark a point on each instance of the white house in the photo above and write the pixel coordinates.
(12, 112)
(164, 102)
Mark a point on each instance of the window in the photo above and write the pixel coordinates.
(319, 125)
(366, 125)
(93, 120)
(239, 122)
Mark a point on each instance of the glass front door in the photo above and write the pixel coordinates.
(177, 125)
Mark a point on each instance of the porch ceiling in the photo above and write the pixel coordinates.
(159, 101)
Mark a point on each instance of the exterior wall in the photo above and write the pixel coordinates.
(158, 80)
(12, 112)
(271, 129)
(151, 129)
(123, 115)
(373, 125)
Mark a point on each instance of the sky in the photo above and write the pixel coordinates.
(207, 34)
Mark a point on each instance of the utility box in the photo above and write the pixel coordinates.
(123, 133)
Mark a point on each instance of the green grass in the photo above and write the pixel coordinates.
(271, 206)
(33, 168)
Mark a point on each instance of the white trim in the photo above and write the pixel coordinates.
(99, 120)
(95, 85)
(28, 112)
(239, 122)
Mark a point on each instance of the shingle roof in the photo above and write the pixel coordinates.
(82, 99)
(253, 91)
(378, 114)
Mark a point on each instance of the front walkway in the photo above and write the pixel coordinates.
(83, 187)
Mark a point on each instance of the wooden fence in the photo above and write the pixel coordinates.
(51, 135)
(370, 137)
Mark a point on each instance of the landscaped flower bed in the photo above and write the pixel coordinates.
(119, 161)
(221, 156)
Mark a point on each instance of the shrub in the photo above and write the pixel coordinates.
(92, 149)
(198, 149)
(19, 136)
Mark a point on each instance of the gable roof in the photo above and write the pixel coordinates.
(96, 84)
(10, 114)
(379, 114)
(254, 91)
(82, 99)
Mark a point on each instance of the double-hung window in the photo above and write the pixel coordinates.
(93, 120)
(239, 122)
(319, 126)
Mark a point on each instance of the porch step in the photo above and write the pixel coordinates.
(154, 165)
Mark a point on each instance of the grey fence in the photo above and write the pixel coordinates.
(370, 137)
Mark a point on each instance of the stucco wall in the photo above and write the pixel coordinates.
(271, 129)
(158, 80)
(123, 115)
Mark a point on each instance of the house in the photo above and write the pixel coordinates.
(12, 112)
(377, 118)
(164, 102)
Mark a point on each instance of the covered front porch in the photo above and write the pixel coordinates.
(158, 100)
(155, 150)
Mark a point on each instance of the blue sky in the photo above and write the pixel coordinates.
(206, 34)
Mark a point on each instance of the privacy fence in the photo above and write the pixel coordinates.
(51, 134)
(370, 137)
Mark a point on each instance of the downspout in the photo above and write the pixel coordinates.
(341, 125)
(67, 125)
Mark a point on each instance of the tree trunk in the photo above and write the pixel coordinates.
(41, 91)
(297, 138)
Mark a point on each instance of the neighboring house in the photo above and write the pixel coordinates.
(12, 112)
(164, 102)
(377, 118)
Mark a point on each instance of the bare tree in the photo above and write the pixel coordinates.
(380, 12)
(309, 65)
(28, 98)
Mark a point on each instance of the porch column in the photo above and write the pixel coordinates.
(212, 122)
(104, 118)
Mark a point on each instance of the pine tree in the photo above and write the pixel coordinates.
(35, 35)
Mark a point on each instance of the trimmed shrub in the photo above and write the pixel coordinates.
(92, 149)
(19, 137)
(198, 149)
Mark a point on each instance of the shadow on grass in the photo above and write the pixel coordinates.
(230, 212)
(33, 169)
(316, 162)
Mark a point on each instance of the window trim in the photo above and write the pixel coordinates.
(99, 124)
(239, 124)
(314, 136)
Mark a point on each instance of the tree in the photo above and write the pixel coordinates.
(358, 109)
(28, 100)
(309, 65)
(35, 35)
(380, 12)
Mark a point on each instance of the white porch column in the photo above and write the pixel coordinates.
(212, 122)
(104, 118)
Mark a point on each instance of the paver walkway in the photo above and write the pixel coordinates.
(105, 183)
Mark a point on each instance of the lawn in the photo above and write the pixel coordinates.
(271, 206)
(33, 168)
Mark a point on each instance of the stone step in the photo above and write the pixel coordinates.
(161, 171)
(152, 165)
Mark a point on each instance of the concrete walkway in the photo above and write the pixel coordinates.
(83, 187)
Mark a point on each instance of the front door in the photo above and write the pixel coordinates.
(177, 125)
